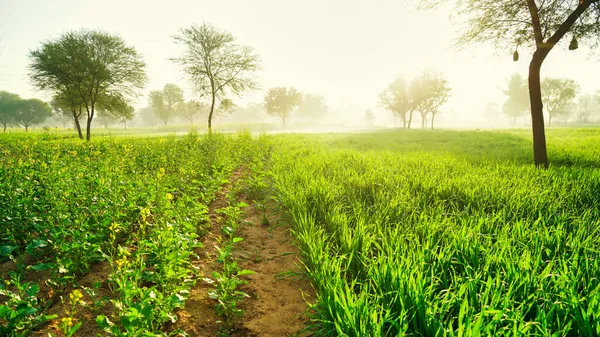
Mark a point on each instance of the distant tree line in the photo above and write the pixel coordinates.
(15, 111)
(559, 96)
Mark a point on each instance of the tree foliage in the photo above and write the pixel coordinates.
(430, 91)
(558, 94)
(216, 65)
(7, 108)
(517, 98)
(281, 101)
(86, 70)
(396, 98)
(29, 112)
(166, 102)
(312, 106)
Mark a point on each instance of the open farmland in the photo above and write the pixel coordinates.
(397, 233)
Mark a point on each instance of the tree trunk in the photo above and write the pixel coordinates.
(125, 122)
(4, 127)
(26, 128)
(409, 119)
(549, 118)
(540, 155)
(210, 114)
(432, 119)
(88, 131)
(78, 127)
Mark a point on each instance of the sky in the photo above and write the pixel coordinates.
(346, 50)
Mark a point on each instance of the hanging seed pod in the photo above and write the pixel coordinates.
(573, 45)
(515, 56)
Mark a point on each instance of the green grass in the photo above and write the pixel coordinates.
(446, 233)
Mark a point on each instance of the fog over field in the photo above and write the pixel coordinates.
(346, 51)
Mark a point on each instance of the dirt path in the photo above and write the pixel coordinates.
(277, 305)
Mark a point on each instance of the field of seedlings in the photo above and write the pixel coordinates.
(399, 233)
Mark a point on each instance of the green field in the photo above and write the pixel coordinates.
(415, 233)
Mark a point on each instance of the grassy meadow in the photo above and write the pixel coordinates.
(401, 233)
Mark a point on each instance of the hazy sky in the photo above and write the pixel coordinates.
(346, 50)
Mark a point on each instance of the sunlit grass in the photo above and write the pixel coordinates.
(449, 233)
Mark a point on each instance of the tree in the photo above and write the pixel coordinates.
(216, 65)
(61, 112)
(115, 108)
(396, 99)
(539, 24)
(492, 112)
(369, 117)
(280, 102)
(252, 112)
(31, 111)
(558, 94)
(517, 101)
(166, 101)
(588, 105)
(87, 69)
(312, 106)
(7, 107)
(431, 91)
(190, 109)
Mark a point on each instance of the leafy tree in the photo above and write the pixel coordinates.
(537, 24)
(7, 103)
(517, 101)
(190, 109)
(86, 69)
(312, 106)
(492, 112)
(558, 94)
(31, 111)
(165, 101)
(430, 92)
(252, 112)
(216, 65)
(588, 105)
(280, 102)
(396, 98)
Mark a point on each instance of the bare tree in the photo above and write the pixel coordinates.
(216, 65)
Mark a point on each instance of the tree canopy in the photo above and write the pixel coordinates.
(312, 106)
(396, 99)
(215, 64)
(86, 70)
(29, 112)
(280, 102)
(166, 102)
(517, 98)
(558, 94)
(7, 108)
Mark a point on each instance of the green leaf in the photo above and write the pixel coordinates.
(236, 240)
(41, 266)
(245, 272)
(35, 244)
(6, 250)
